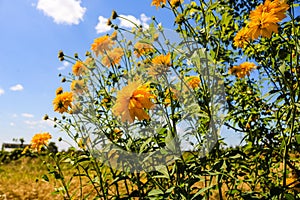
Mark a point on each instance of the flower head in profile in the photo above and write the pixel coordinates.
(133, 101)
(141, 49)
(160, 65)
(242, 70)
(78, 86)
(39, 140)
(113, 57)
(79, 68)
(102, 44)
(241, 38)
(62, 102)
(158, 3)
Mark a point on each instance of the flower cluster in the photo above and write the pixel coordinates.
(263, 22)
(242, 70)
(39, 140)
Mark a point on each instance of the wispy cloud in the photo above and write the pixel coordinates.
(141, 21)
(1, 91)
(12, 124)
(42, 124)
(64, 66)
(62, 11)
(27, 115)
(102, 26)
(17, 87)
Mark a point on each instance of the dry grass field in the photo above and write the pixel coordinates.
(22, 180)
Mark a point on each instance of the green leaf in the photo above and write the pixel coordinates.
(163, 169)
(155, 192)
(298, 138)
(289, 196)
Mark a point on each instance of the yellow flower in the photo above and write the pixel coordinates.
(160, 65)
(102, 44)
(79, 69)
(62, 102)
(193, 82)
(263, 25)
(175, 3)
(141, 49)
(132, 100)
(78, 86)
(277, 7)
(39, 140)
(112, 57)
(158, 3)
(241, 38)
(59, 91)
(242, 70)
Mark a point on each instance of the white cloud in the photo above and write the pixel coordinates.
(102, 26)
(62, 11)
(144, 20)
(128, 24)
(27, 115)
(64, 66)
(141, 21)
(41, 124)
(17, 87)
(12, 124)
(1, 91)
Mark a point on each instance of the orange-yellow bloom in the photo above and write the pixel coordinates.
(160, 65)
(241, 38)
(158, 3)
(193, 82)
(79, 69)
(132, 101)
(264, 19)
(242, 70)
(276, 7)
(113, 57)
(175, 3)
(263, 25)
(141, 49)
(39, 140)
(62, 102)
(78, 86)
(102, 44)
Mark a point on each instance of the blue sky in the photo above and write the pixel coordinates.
(32, 33)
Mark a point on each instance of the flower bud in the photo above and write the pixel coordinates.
(114, 14)
(46, 117)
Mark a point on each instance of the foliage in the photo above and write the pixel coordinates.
(140, 95)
